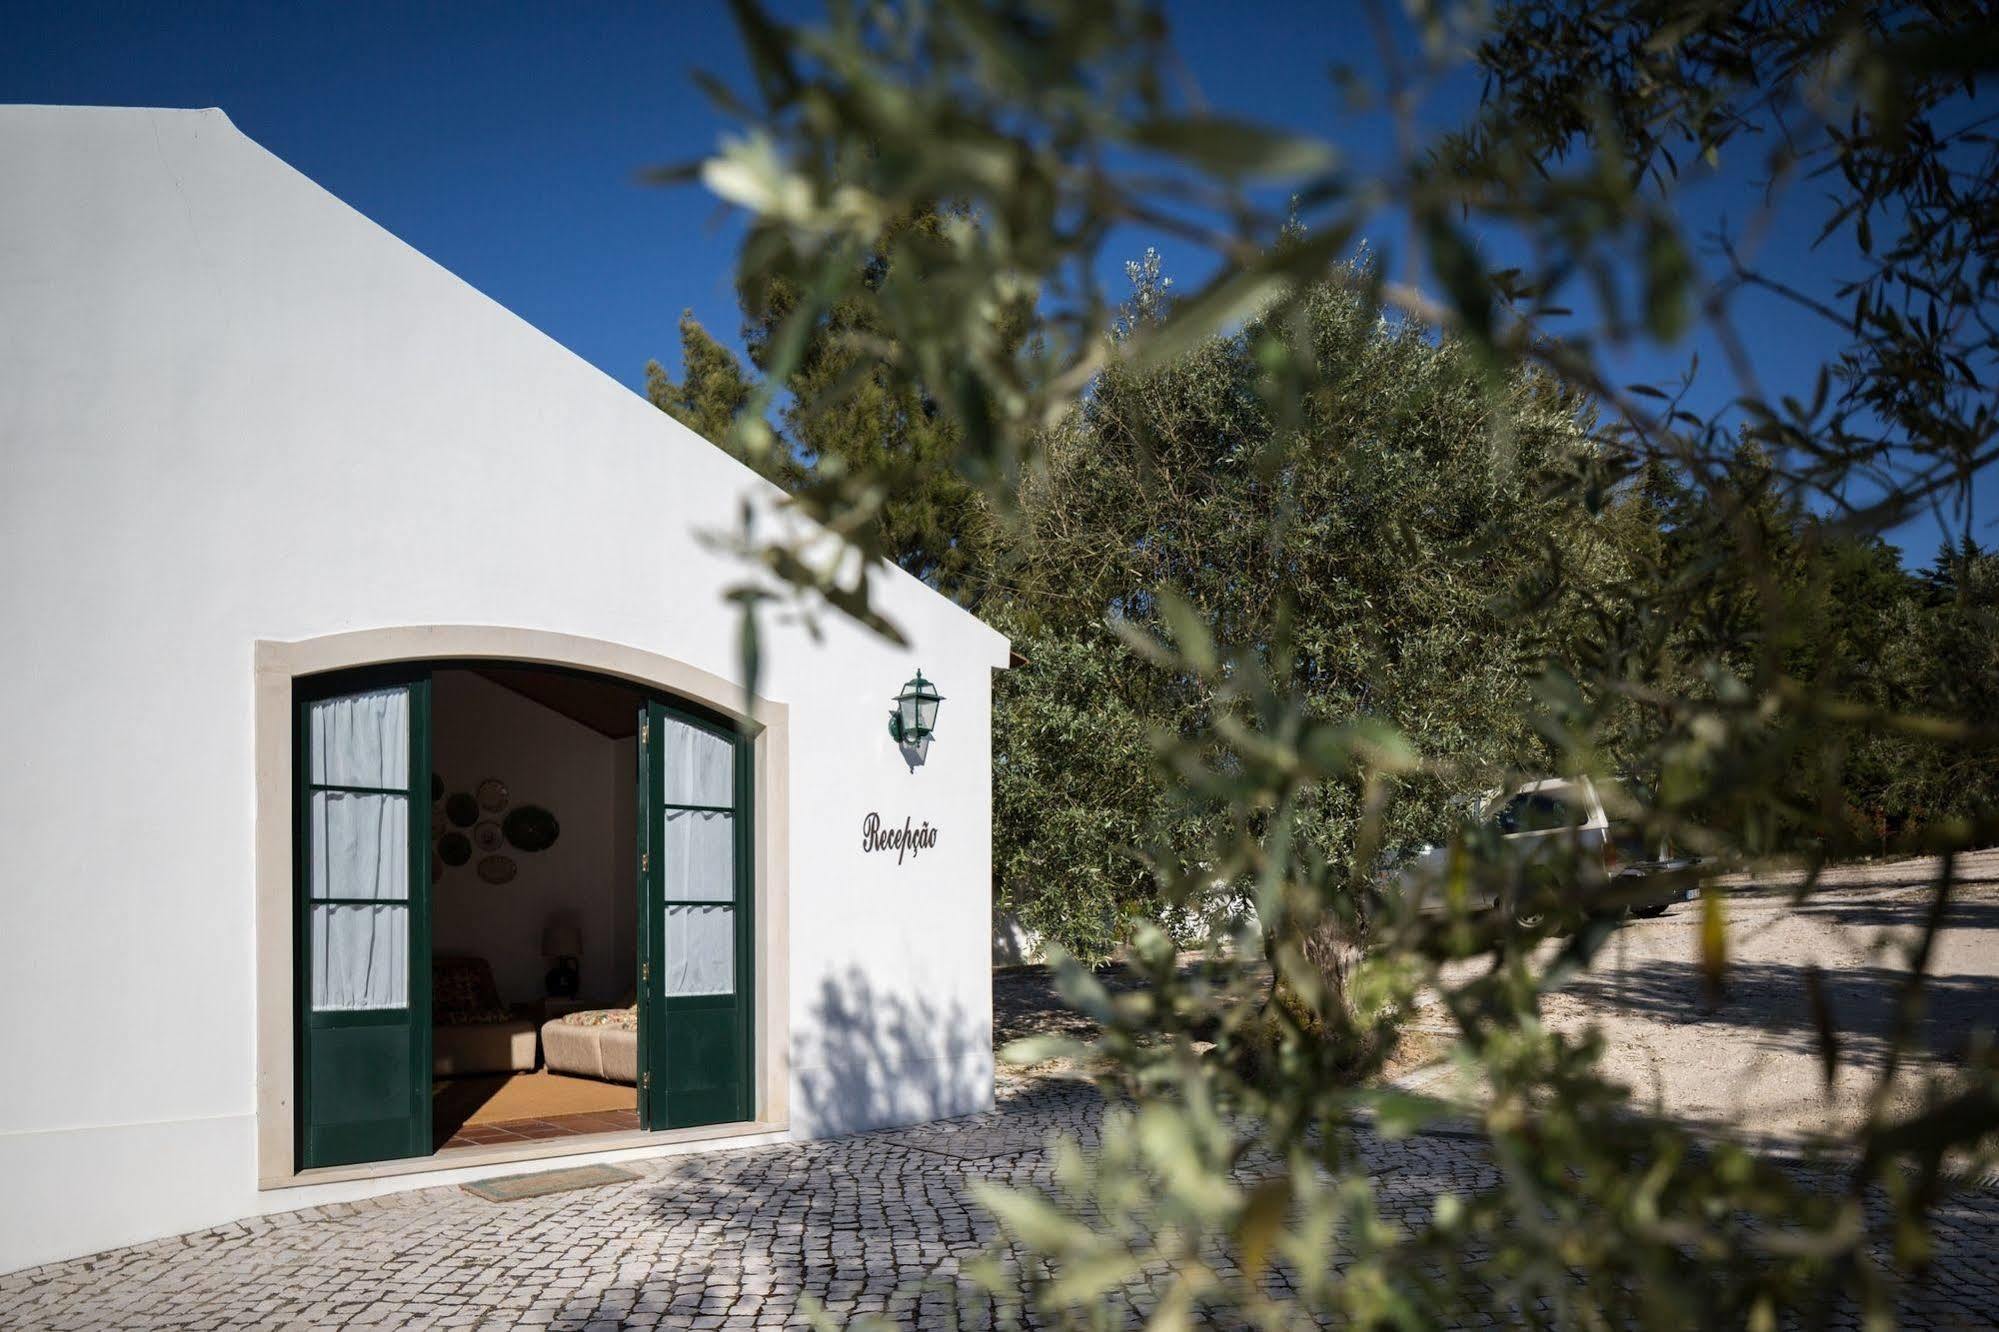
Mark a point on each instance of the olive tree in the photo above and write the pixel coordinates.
(1039, 133)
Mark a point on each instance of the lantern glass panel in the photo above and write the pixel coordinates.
(910, 719)
(926, 713)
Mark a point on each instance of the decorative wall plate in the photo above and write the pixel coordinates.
(486, 835)
(498, 869)
(493, 795)
(530, 828)
(454, 848)
(461, 809)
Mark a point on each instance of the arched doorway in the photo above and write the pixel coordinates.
(430, 800)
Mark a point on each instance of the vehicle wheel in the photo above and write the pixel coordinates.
(1529, 920)
(1651, 911)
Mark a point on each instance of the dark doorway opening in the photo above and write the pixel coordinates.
(534, 916)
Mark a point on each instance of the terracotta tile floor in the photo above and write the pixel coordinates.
(555, 1126)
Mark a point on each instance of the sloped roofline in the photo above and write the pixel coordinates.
(886, 569)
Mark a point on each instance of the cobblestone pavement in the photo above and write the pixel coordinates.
(722, 1240)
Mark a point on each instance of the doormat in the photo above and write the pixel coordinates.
(512, 1188)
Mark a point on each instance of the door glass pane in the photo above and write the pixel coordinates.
(698, 859)
(361, 739)
(359, 845)
(360, 957)
(700, 950)
(700, 766)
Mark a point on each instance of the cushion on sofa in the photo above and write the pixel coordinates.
(586, 1051)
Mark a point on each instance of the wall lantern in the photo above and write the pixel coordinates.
(915, 715)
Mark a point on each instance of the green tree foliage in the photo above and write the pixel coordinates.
(1726, 623)
(1077, 800)
(849, 415)
(1940, 649)
(1824, 609)
(845, 415)
(712, 391)
(712, 388)
(1398, 550)
(1382, 550)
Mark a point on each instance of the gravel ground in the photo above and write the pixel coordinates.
(1751, 1061)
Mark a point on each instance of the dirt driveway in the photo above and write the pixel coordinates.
(1751, 1061)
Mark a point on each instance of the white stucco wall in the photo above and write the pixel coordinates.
(233, 409)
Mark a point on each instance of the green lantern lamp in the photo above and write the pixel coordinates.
(915, 715)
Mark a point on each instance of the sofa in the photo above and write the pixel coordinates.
(595, 1043)
(471, 1030)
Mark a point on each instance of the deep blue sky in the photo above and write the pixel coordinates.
(503, 139)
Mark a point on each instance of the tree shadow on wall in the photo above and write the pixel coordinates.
(877, 1059)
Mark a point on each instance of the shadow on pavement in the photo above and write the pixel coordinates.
(1771, 998)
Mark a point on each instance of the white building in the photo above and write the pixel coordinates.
(373, 712)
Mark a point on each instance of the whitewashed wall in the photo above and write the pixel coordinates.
(233, 409)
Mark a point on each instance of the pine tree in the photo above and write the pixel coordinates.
(712, 390)
(847, 414)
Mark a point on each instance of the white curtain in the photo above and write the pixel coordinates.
(360, 845)
(360, 957)
(700, 950)
(700, 767)
(698, 860)
(361, 739)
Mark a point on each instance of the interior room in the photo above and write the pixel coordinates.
(534, 919)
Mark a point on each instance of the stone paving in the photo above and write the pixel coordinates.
(732, 1239)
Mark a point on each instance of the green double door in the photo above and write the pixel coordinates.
(361, 747)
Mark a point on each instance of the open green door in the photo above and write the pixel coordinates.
(362, 753)
(694, 874)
